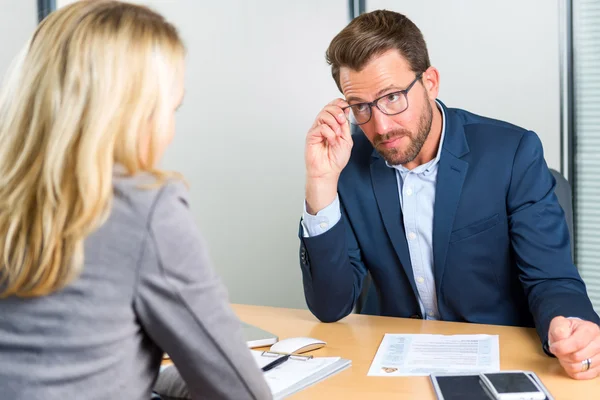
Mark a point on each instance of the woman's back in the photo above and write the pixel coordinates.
(146, 283)
(101, 266)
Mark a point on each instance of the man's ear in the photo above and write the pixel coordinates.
(431, 82)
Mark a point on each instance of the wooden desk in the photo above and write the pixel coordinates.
(357, 337)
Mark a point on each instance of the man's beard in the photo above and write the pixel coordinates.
(395, 156)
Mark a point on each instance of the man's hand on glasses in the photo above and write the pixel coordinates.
(328, 147)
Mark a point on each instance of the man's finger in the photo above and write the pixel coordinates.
(338, 113)
(589, 351)
(334, 108)
(319, 135)
(560, 329)
(341, 114)
(591, 374)
(327, 118)
(580, 338)
(578, 371)
(571, 345)
(327, 133)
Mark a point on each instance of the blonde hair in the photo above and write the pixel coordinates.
(96, 76)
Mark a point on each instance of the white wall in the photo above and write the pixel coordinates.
(17, 23)
(257, 77)
(496, 58)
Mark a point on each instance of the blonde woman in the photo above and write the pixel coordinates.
(102, 269)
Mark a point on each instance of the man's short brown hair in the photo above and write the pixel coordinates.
(372, 34)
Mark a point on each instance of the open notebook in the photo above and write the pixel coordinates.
(298, 372)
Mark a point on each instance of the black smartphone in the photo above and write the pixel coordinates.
(459, 387)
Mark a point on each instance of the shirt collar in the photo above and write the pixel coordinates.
(428, 166)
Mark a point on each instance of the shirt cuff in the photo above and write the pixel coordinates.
(314, 225)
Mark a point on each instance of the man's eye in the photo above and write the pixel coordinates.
(360, 108)
(392, 97)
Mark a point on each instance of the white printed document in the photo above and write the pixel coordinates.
(422, 355)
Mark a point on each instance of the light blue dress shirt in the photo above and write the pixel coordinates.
(416, 189)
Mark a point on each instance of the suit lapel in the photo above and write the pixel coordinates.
(452, 171)
(450, 178)
(385, 187)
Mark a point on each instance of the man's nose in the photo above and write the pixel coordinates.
(381, 122)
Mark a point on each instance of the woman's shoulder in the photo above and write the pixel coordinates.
(145, 194)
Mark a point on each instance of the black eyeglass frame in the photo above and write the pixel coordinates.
(375, 102)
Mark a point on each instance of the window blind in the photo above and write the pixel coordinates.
(586, 75)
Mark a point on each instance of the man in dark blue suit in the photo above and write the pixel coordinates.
(453, 215)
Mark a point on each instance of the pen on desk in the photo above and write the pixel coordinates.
(275, 363)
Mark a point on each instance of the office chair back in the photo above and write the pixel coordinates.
(565, 199)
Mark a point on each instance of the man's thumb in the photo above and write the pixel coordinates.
(560, 329)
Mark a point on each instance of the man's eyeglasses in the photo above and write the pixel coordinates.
(389, 104)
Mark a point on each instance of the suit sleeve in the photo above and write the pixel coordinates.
(332, 270)
(541, 243)
(183, 307)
